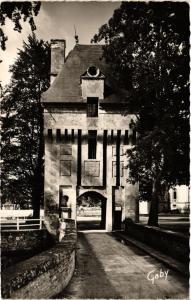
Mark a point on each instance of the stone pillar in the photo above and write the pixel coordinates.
(104, 158)
(109, 206)
(75, 158)
(123, 204)
(118, 175)
(51, 185)
(73, 197)
(131, 201)
(99, 157)
(109, 211)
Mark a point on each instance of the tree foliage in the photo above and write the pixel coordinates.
(147, 46)
(22, 125)
(17, 11)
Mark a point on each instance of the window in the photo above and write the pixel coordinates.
(92, 107)
(92, 71)
(50, 136)
(114, 150)
(65, 167)
(66, 149)
(114, 168)
(174, 195)
(92, 144)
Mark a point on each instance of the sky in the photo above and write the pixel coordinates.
(57, 20)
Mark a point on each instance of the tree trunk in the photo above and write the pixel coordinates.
(167, 198)
(153, 214)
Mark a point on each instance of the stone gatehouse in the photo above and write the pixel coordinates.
(87, 131)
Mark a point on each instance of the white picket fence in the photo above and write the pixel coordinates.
(21, 224)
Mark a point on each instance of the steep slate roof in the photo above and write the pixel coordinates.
(66, 87)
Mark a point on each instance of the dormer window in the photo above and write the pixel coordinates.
(92, 107)
(92, 71)
(92, 83)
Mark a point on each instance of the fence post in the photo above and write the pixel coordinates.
(17, 223)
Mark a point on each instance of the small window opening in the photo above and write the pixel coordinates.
(92, 144)
(174, 195)
(72, 135)
(112, 136)
(92, 107)
(114, 168)
(50, 136)
(65, 167)
(93, 71)
(66, 149)
(66, 135)
(58, 135)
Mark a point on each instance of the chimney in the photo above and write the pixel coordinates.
(57, 57)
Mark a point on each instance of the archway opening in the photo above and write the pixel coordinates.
(91, 211)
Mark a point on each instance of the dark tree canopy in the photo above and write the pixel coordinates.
(147, 47)
(17, 12)
(22, 125)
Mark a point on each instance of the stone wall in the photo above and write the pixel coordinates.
(95, 174)
(171, 243)
(45, 274)
(13, 241)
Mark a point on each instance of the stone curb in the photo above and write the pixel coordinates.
(168, 261)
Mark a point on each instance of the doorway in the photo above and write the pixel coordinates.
(91, 211)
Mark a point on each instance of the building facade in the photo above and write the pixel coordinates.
(179, 199)
(87, 130)
(178, 202)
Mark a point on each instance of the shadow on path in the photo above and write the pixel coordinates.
(89, 280)
(88, 225)
(107, 268)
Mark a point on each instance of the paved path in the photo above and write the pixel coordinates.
(106, 268)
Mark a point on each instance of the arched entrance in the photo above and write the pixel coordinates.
(91, 211)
